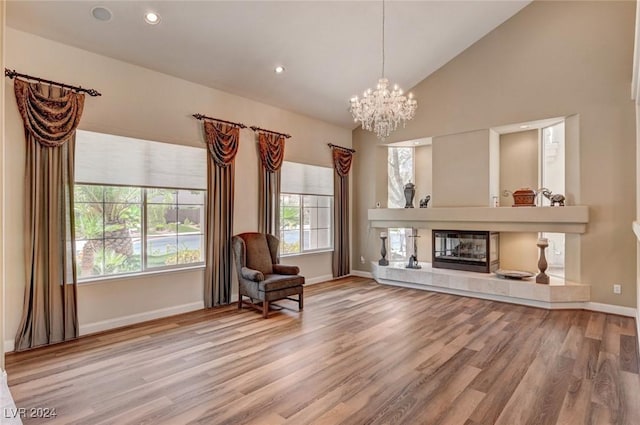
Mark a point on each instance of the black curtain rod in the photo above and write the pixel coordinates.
(331, 145)
(204, 117)
(13, 74)
(254, 128)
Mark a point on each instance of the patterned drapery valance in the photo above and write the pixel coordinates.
(222, 142)
(51, 121)
(342, 161)
(271, 147)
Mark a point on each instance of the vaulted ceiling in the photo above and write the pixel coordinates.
(331, 50)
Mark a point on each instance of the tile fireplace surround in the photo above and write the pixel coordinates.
(559, 294)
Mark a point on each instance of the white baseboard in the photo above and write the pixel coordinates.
(361, 273)
(611, 309)
(318, 279)
(329, 277)
(9, 345)
(118, 322)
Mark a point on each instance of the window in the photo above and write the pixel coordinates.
(306, 208)
(401, 171)
(552, 150)
(123, 229)
(138, 207)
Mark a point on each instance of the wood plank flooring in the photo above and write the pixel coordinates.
(360, 353)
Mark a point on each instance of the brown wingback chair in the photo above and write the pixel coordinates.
(260, 277)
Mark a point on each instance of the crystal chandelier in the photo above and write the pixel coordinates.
(382, 109)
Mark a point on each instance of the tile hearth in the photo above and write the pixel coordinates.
(559, 294)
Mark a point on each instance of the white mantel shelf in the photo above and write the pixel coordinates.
(570, 219)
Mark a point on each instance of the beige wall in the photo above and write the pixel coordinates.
(424, 186)
(2, 203)
(506, 78)
(518, 163)
(638, 212)
(423, 166)
(462, 170)
(140, 103)
(518, 169)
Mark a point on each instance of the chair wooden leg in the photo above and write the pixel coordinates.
(300, 301)
(239, 301)
(265, 309)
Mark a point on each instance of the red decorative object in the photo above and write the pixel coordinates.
(524, 198)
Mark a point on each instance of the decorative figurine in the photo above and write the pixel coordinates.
(413, 260)
(383, 251)
(555, 199)
(424, 203)
(409, 193)
(543, 243)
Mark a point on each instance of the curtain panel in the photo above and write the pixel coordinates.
(271, 148)
(51, 116)
(222, 143)
(342, 160)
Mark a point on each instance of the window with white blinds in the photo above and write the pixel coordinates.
(306, 208)
(117, 160)
(138, 206)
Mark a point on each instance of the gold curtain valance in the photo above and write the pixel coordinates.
(271, 146)
(222, 142)
(342, 161)
(50, 120)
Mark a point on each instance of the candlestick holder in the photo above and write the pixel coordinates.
(413, 260)
(383, 251)
(542, 262)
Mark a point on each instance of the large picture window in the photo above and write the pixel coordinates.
(138, 207)
(121, 229)
(306, 208)
(552, 177)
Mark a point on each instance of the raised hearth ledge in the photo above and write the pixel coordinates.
(557, 295)
(571, 219)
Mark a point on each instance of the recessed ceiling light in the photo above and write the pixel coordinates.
(151, 18)
(101, 13)
(279, 69)
(524, 126)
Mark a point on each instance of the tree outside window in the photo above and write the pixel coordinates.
(112, 238)
(400, 171)
(305, 223)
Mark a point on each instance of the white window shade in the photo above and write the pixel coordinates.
(306, 179)
(115, 160)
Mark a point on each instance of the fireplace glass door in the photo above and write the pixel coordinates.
(466, 250)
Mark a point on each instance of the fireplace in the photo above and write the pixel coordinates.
(469, 250)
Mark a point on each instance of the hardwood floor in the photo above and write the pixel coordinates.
(360, 353)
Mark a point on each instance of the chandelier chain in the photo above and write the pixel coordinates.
(382, 109)
(382, 38)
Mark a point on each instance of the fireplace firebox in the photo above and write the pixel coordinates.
(470, 250)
